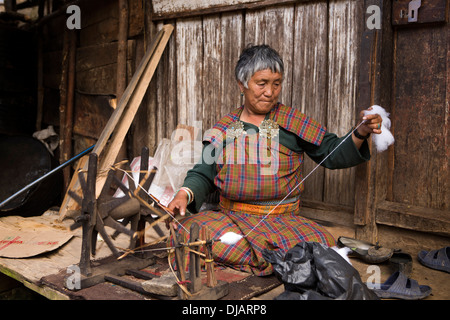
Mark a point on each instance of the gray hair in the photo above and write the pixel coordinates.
(257, 58)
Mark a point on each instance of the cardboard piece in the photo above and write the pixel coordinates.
(28, 238)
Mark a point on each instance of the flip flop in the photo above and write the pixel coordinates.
(399, 286)
(366, 251)
(436, 259)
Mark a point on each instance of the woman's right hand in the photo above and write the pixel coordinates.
(179, 203)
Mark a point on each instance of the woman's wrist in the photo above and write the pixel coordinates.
(361, 136)
(189, 193)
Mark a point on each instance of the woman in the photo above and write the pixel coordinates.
(253, 156)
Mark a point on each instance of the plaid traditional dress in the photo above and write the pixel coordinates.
(252, 178)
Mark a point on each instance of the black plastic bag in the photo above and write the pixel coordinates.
(312, 271)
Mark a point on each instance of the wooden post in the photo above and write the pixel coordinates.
(194, 261)
(121, 73)
(179, 256)
(211, 280)
(374, 88)
(67, 148)
(121, 81)
(67, 94)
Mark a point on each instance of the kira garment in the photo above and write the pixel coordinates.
(254, 169)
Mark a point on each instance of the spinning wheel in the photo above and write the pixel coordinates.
(107, 210)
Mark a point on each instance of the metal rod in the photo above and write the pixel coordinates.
(38, 180)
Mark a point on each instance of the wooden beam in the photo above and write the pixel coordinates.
(183, 9)
(373, 88)
(413, 217)
(67, 92)
(121, 79)
(120, 121)
(68, 121)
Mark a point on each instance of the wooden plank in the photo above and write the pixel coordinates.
(374, 85)
(94, 56)
(97, 68)
(101, 80)
(142, 131)
(121, 128)
(97, 81)
(161, 7)
(100, 21)
(121, 78)
(123, 115)
(274, 27)
(413, 217)
(67, 87)
(165, 121)
(222, 37)
(421, 174)
(183, 9)
(430, 11)
(310, 59)
(102, 32)
(344, 32)
(189, 44)
(126, 283)
(213, 69)
(91, 114)
(30, 271)
(232, 45)
(321, 211)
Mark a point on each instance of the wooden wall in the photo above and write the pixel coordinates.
(194, 83)
(319, 42)
(335, 67)
(95, 67)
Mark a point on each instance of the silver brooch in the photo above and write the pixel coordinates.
(235, 130)
(269, 129)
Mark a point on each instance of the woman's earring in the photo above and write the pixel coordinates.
(242, 94)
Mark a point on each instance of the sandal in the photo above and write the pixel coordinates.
(401, 261)
(436, 259)
(401, 287)
(366, 251)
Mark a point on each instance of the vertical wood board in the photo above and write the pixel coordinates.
(274, 27)
(189, 58)
(166, 94)
(309, 93)
(421, 173)
(344, 31)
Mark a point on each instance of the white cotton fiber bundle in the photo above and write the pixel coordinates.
(230, 238)
(383, 140)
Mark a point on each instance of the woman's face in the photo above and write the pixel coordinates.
(264, 87)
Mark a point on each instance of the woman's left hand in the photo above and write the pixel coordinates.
(372, 124)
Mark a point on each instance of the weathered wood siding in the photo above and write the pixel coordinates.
(422, 150)
(335, 66)
(318, 41)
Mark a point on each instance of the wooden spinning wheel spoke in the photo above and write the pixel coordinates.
(115, 213)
